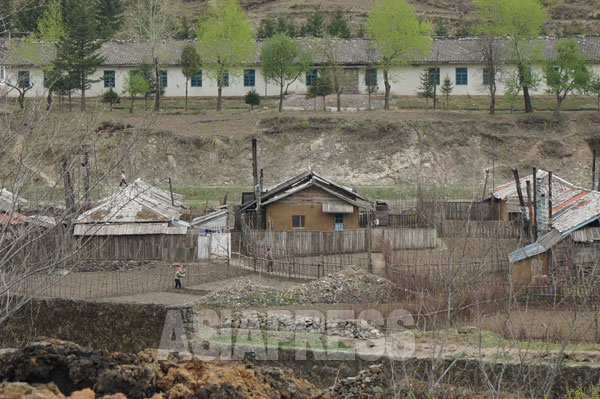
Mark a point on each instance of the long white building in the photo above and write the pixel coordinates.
(458, 58)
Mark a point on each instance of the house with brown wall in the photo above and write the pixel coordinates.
(307, 201)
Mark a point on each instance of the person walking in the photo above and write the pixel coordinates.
(179, 274)
(269, 257)
(123, 181)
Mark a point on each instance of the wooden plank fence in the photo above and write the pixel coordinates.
(478, 228)
(314, 243)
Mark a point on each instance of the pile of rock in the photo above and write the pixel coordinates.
(350, 286)
(243, 294)
(369, 383)
(351, 328)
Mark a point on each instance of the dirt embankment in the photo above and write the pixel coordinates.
(65, 368)
(360, 148)
(367, 148)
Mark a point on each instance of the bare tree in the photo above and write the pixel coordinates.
(491, 50)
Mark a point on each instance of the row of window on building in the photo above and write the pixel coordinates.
(461, 77)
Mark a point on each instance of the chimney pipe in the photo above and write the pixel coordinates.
(535, 201)
(549, 200)
(594, 170)
(254, 164)
(540, 205)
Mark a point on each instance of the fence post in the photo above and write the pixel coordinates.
(254, 263)
(294, 266)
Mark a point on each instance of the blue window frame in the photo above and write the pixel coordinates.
(164, 79)
(109, 79)
(23, 79)
(197, 79)
(338, 221)
(435, 74)
(371, 77)
(224, 81)
(462, 77)
(249, 77)
(310, 77)
(486, 77)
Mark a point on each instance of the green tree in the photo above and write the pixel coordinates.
(333, 68)
(567, 73)
(147, 72)
(252, 98)
(184, 31)
(25, 14)
(595, 88)
(283, 62)
(427, 87)
(441, 30)
(78, 49)
(282, 25)
(266, 29)
(446, 89)
(519, 21)
(110, 97)
(136, 83)
(315, 24)
(51, 27)
(190, 64)
(109, 16)
(398, 35)
(153, 21)
(321, 87)
(338, 25)
(225, 41)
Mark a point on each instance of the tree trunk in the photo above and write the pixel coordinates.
(82, 102)
(434, 95)
(86, 178)
(21, 99)
(280, 97)
(49, 100)
(339, 102)
(369, 98)
(68, 187)
(219, 91)
(493, 103)
(527, 99)
(146, 102)
(386, 81)
(324, 104)
(131, 108)
(559, 101)
(70, 103)
(186, 93)
(157, 94)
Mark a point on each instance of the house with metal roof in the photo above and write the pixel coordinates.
(138, 209)
(458, 58)
(568, 241)
(307, 201)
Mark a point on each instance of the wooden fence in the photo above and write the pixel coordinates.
(314, 243)
(479, 229)
(169, 248)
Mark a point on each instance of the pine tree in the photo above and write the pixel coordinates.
(77, 50)
(446, 89)
(109, 16)
(338, 25)
(282, 25)
(183, 32)
(314, 24)
(320, 87)
(252, 98)
(427, 85)
(266, 28)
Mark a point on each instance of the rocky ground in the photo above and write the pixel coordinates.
(350, 286)
(55, 369)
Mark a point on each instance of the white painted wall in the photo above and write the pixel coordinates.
(404, 81)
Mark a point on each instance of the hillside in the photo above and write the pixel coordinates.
(446, 149)
(567, 16)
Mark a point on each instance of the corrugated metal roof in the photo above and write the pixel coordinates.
(587, 234)
(127, 229)
(138, 202)
(543, 244)
(213, 218)
(350, 51)
(508, 191)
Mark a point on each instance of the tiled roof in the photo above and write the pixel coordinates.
(350, 51)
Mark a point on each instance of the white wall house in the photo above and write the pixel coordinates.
(458, 58)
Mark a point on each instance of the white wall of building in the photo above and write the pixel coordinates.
(404, 81)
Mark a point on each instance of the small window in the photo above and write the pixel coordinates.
(109, 79)
(435, 75)
(249, 77)
(461, 77)
(371, 77)
(486, 77)
(23, 80)
(338, 221)
(298, 222)
(310, 77)
(224, 80)
(197, 79)
(164, 79)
